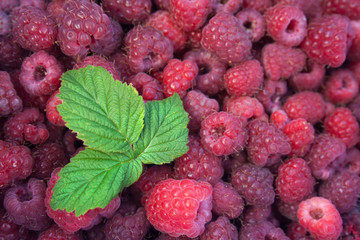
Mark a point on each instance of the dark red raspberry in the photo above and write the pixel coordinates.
(266, 143)
(69, 141)
(297, 232)
(310, 78)
(52, 113)
(127, 12)
(223, 133)
(227, 201)
(76, 35)
(26, 125)
(258, 5)
(279, 118)
(95, 233)
(56, 233)
(33, 29)
(12, 54)
(10, 231)
(244, 107)
(198, 164)
(133, 226)
(25, 204)
(286, 24)
(162, 21)
(343, 125)
(270, 94)
(199, 106)
(244, 79)
(8, 5)
(354, 50)
(148, 87)
(349, 8)
(40, 74)
(342, 189)
(179, 76)
(289, 210)
(232, 162)
(256, 214)
(147, 49)
(301, 135)
(220, 229)
(225, 37)
(211, 70)
(194, 38)
(281, 62)
(230, 6)
(321, 218)
(324, 153)
(351, 225)
(294, 181)
(10, 102)
(121, 65)
(47, 157)
(307, 105)
(254, 184)
(16, 162)
(5, 23)
(263, 230)
(321, 30)
(67, 220)
(253, 22)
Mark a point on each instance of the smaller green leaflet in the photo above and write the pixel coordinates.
(121, 133)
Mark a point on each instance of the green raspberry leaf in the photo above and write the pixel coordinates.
(107, 114)
(165, 135)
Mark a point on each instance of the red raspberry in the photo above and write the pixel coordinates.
(227, 201)
(301, 135)
(199, 106)
(311, 8)
(180, 207)
(231, 163)
(220, 229)
(244, 79)
(52, 113)
(148, 87)
(324, 153)
(279, 118)
(33, 29)
(225, 37)
(355, 68)
(162, 21)
(56, 233)
(190, 15)
(26, 125)
(253, 22)
(349, 8)
(25, 204)
(67, 220)
(321, 30)
(127, 12)
(263, 230)
(307, 105)
(147, 49)
(55, 8)
(12, 54)
(343, 125)
(310, 79)
(271, 93)
(16, 162)
(211, 71)
(179, 76)
(294, 181)
(354, 50)
(230, 6)
(10, 102)
(321, 218)
(342, 189)
(244, 107)
(254, 184)
(5, 23)
(289, 210)
(281, 62)
(133, 226)
(258, 5)
(40, 74)
(194, 38)
(222, 133)
(297, 232)
(266, 143)
(47, 157)
(256, 214)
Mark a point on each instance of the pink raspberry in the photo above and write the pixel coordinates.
(227, 201)
(244, 79)
(12, 54)
(52, 113)
(254, 184)
(147, 48)
(56, 233)
(220, 229)
(223, 133)
(211, 71)
(244, 107)
(127, 12)
(354, 50)
(179, 76)
(231, 6)
(301, 135)
(349, 8)
(33, 29)
(307, 105)
(256, 214)
(258, 5)
(321, 218)
(266, 143)
(294, 181)
(279, 118)
(67, 220)
(40, 74)
(263, 230)
(321, 30)
(225, 37)
(10, 102)
(310, 78)
(180, 207)
(281, 62)
(148, 87)
(190, 15)
(343, 125)
(341, 87)
(253, 22)
(270, 94)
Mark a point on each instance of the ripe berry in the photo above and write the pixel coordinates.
(270, 94)
(11, 53)
(258, 5)
(244, 107)
(350, 8)
(148, 87)
(256, 214)
(52, 113)
(220, 229)
(310, 78)
(10, 102)
(56, 233)
(263, 230)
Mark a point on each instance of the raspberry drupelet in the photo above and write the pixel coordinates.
(279, 118)
(349, 8)
(148, 87)
(253, 22)
(10, 102)
(220, 229)
(223, 133)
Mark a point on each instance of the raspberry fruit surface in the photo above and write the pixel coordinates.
(310, 78)
(56, 233)
(148, 87)
(220, 229)
(52, 113)
(253, 22)
(244, 107)
(263, 230)
(350, 8)
(10, 102)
